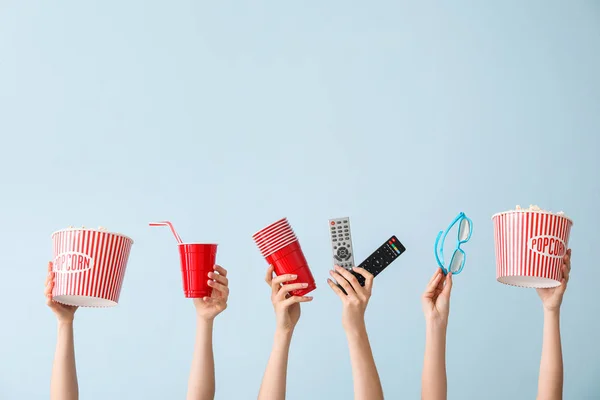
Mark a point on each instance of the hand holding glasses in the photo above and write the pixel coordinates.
(457, 262)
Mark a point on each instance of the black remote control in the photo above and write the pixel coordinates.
(381, 258)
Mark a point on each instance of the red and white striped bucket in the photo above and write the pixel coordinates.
(530, 246)
(89, 266)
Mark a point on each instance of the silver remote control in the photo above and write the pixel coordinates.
(341, 243)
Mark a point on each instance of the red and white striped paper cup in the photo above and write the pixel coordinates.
(530, 246)
(89, 266)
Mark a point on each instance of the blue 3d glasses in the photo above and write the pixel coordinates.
(457, 262)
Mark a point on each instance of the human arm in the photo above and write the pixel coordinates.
(550, 381)
(201, 383)
(436, 307)
(287, 314)
(63, 382)
(367, 385)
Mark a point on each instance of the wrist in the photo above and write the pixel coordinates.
(65, 321)
(436, 326)
(205, 321)
(356, 329)
(552, 312)
(284, 333)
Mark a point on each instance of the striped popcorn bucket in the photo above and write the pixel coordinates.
(89, 266)
(530, 246)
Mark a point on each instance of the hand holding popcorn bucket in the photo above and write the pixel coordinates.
(530, 246)
(89, 266)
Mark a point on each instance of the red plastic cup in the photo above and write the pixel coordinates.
(276, 245)
(267, 239)
(290, 260)
(273, 226)
(197, 260)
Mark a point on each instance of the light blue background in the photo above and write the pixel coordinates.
(226, 116)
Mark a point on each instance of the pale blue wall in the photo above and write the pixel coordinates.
(226, 116)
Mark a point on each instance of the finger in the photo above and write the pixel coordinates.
(336, 289)
(222, 271)
(212, 300)
(566, 272)
(567, 260)
(448, 287)
(278, 280)
(343, 283)
(217, 286)
(50, 265)
(368, 277)
(269, 276)
(440, 285)
(296, 299)
(284, 278)
(219, 278)
(563, 286)
(435, 275)
(349, 277)
(286, 289)
(434, 282)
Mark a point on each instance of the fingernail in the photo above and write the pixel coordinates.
(304, 284)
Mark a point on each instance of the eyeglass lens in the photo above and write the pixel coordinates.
(456, 262)
(463, 229)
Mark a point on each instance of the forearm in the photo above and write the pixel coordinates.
(550, 383)
(273, 386)
(367, 385)
(201, 385)
(434, 384)
(63, 384)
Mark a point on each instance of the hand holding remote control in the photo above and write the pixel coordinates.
(355, 297)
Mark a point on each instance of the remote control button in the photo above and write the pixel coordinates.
(342, 252)
(337, 258)
(345, 230)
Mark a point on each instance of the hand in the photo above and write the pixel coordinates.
(355, 302)
(436, 299)
(63, 312)
(287, 307)
(208, 308)
(552, 297)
